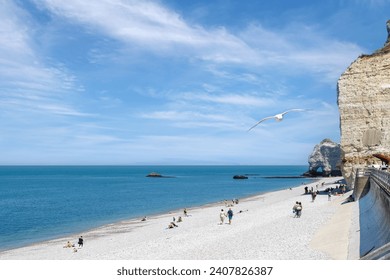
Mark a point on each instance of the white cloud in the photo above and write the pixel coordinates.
(220, 106)
(27, 81)
(193, 119)
(157, 28)
(230, 99)
(301, 47)
(150, 25)
(184, 116)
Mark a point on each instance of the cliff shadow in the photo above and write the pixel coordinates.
(374, 218)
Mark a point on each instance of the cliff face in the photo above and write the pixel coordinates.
(364, 106)
(326, 157)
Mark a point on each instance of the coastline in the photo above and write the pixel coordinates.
(57, 201)
(265, 229)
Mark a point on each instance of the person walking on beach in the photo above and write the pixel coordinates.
(329, 195)
(313, 196)
(297, 209)
(185, 212)
(81, 242)
(230, 215)
(222, 216)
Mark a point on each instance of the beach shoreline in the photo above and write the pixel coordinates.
(139, 217)
(200, 236)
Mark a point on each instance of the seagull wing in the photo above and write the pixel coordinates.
(260, 121)
(293, 110)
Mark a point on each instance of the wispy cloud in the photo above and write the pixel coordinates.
(144, 22)
(192, 119)
(118, 79)
(299, 46)
(27, 81)
(243, 99)
(159, 29)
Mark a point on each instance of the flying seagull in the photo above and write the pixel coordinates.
(277, 117)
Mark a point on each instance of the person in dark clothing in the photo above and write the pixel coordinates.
(81, 241)
(230, 215)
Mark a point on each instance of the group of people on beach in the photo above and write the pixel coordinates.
(338, 190)
(231, 203)
(80, 243)
(179, 219)
(223, 215)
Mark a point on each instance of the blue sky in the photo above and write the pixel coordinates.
(176, 82)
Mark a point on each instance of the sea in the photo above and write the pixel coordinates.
(39, 203)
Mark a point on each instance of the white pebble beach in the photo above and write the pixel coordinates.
(263, 227)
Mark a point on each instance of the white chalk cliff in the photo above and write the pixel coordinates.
(364, 106)
(325, 159)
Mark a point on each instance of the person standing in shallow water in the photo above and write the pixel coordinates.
(230, 215)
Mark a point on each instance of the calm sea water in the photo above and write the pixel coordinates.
(43, 202)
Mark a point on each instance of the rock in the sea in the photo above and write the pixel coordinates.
(240, 177)
(364, 102)
(325, 159)
(154, 174)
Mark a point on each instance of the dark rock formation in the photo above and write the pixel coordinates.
(154, 175)
(240, 177)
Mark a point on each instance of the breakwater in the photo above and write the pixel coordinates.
(374, 213)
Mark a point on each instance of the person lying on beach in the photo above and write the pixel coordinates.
(69, 245)
(172, 225)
